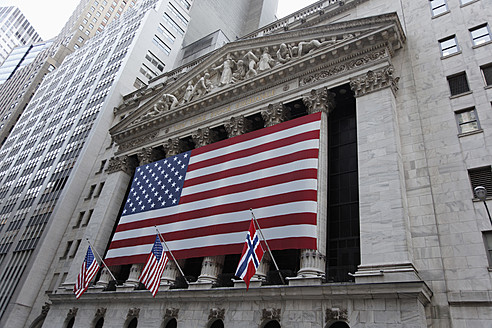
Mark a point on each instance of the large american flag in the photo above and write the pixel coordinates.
(87, 272)
(200, 200)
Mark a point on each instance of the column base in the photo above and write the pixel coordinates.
(305, 281)
(253, 283)
(200, 285)
(387, 272)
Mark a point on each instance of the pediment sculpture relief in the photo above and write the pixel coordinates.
(235, 68)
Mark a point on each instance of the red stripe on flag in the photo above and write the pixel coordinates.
(280, 160)
(265, 223)
(310, 135)
(295, 196)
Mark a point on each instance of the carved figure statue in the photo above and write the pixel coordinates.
(266, 61)
(284, 54)
(251, 59)
(203, 86)
(226, 67)
(307, 47)
(188, 93)
(240, 72)
(167, 102)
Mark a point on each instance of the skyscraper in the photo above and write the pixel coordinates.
(15, 30)
(88, 19)
(57, 137)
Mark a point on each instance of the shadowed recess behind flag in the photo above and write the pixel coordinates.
(200, 199)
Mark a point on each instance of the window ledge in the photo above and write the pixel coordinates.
(441, 14)
(470, 133)
(469, 3)
(482, 44)
(451, 55)
(461, 94)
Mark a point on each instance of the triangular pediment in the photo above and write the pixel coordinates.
(240, 68)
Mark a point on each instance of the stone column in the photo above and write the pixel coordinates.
(313, 261)
(384, 223)
(211, 265)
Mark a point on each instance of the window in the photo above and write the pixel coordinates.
(87, 32)
(438, 7)
(164, 31)
(81, 27)
(449, 46)
(159, 43)
(480, 34)
(481, 176)
(155, 61)
(138, 83)
(91, 26)
(89, 215)
(85, 21)
(101, 186)
(92, 8)
(98, 14)
(80, 39)
(487, 74)
(76, 46)
(91, 191)
(487, 238)
(79, 219)
(77, 244)
(67, 249)
(458, 84)
(101, 168)
(467, 120)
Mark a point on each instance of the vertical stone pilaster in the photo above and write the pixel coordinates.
(384, 224)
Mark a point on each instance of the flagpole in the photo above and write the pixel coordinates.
(268, 247)
(102, 261)
(169, 250)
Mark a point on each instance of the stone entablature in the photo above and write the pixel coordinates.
(341, 302)
(246, 68)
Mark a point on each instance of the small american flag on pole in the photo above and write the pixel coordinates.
(200, 199)
(251, 256)
(156, 263)
(87, 272)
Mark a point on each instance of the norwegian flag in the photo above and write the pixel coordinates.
(156, 263)
(251, 256)
(87, 272)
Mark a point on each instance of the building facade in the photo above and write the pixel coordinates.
(16, 93)
(402, 240)
(55, 143)
(15, 30)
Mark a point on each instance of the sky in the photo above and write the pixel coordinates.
(48, 26)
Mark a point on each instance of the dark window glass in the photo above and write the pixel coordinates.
(458, 84)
